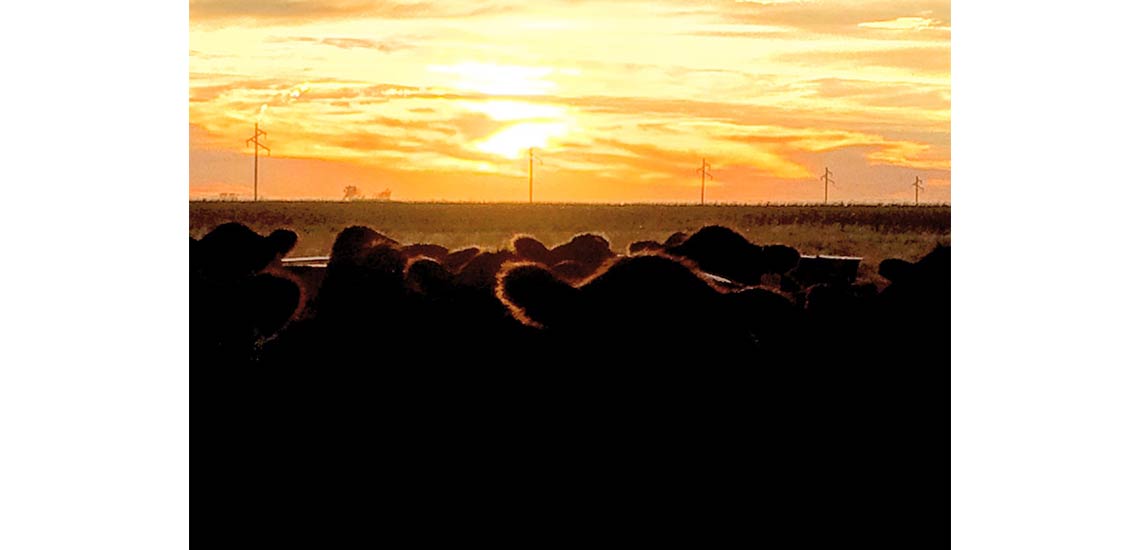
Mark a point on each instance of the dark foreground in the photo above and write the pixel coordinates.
(571, 366)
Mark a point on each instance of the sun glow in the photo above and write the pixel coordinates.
(511, 143)
(492, 79)
(536, 125)
(515, 110)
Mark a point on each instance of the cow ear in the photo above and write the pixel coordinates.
(281, 241)
(536, 296)
(895, 270)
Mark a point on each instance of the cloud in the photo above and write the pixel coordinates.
(926, 59)
(808, 116)
(843, 17)
(742, 34)
(428, 118)
(386, 46)
(906, 24)
(211, 92)
(290, 11)
(879, 149)
(884, 94)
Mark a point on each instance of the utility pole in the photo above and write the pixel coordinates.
(257, 146)
(917, 187)
(704, 170)
(826, 177)
(530, 196)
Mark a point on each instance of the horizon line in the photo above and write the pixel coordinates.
(575, 203)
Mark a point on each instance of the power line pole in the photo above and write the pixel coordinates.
(917, 187)
(704, 170)
(530, 196)
(826, 177)
(257, 147)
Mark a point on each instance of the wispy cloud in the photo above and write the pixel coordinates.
(884, 94)
(302, 11)
(385, 46)
(927, 59)
(907, 24)
(844, 17)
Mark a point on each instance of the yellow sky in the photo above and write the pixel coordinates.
(621, 99)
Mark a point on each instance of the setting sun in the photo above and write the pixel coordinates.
(514, 140)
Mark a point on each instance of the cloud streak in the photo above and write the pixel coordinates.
(832, 17)
(385, 46)
(304, 11)
(928, 60)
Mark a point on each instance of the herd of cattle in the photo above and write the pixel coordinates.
(710, 297)
(417, 370)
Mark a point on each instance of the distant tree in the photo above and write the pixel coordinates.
(384, 195)
(351, 193)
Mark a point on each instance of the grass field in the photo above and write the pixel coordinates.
(873, 232)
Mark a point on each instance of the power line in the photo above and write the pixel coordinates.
(917, 187)
(257, 147)
(704, 170)
(827, 181)
(530, 196)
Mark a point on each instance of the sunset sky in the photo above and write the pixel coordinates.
(621, 99)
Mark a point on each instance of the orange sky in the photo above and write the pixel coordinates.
(621, 99)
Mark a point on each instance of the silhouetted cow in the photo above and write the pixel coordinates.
(531, 249)
(233, 304)
(645, 246)
(642, 305)
(839, 303)
(480, 271)
(574, 260)
(676, 239)
(458, 258)
(433, 251)
(233, 250)
(362, 285)
(722, 251)
(355, 240)
(894, 269)
(271, 302)
(915, 307)
(921, 284)
(463, 311)
(571, 270)
(428, 276)
(591, 251)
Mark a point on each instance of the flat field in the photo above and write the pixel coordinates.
(875, 232)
